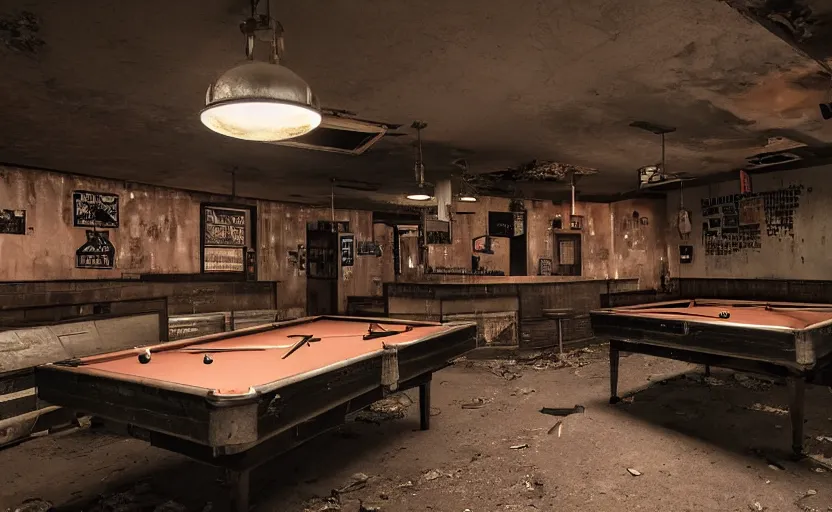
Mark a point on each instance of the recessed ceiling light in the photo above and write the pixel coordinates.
(468, 199)
(419, 197)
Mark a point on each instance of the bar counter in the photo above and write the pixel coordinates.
(510, 311)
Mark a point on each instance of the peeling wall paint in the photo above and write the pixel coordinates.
(638, 240)
(800, 252)
(159, 233)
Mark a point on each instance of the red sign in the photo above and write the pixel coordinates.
(745, 183)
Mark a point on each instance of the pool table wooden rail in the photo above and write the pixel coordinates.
(233, 425)
(800, 349)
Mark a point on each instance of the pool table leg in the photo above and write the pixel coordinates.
(797, 389)
(614, 357)
(240, 486)
(424, 405)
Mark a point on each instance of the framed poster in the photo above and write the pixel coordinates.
(347, 243)
(12, 222)
(545, 267)
(437, 231)
(226, 235)
(501, 224)
(94, 209)
(97, 252)
(224, 259)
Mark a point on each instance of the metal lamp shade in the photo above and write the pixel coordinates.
(261, 102)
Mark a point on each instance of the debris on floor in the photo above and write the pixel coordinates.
(769, 409)
(634, 471)
(393, 407)
(752, 382)
(139, 497)
(756, 506)
(171, 506)
(554, 411)
(34, 505)
(357, 481)
(475, 403)
(322, 504)
(519, 446)
(433, 474)
(556, 427)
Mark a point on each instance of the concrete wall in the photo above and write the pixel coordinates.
(794, 237)
(159, 233)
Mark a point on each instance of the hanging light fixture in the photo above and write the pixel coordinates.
(261, 101)
(467, 193)
(421, 193)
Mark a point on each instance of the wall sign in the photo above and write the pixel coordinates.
(685, 253)
(224, 227)
(737, 222)
(94, 209)
(483, 245)
(97, 253)
(545, 267)
(12, 222)
(223, 259)
(226, 234)
(369, 248)
(437, 231)
(347, 243)
(501, 224)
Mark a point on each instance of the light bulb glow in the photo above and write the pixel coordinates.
(258, 120)
(419, 197)
(468, 199)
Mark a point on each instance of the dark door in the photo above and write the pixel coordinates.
(322, 256)
(568, 254)
(517, 256)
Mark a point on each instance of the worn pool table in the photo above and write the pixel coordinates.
(783, 339)
(237, 399)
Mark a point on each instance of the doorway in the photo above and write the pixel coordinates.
(322, 256)
(568, 254)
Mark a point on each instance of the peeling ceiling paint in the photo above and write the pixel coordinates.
(115, 92)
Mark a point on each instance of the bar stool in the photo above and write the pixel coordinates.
(559, 314)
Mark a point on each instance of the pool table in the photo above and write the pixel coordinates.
(790, 340)
(237, 399)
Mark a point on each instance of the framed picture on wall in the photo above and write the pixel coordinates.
(227, 235)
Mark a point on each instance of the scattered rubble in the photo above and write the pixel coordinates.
(519, 446)
(34, 505)
(556, 427)
(393, 407)
(767, 408)
(322, 504)
(634, 471)
(752, 382)
(357, 481)
(476, 403)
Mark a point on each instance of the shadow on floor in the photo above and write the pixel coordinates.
(735, 411)
(194, 485)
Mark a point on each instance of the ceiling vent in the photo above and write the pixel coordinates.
(339, 135)
(761, 160)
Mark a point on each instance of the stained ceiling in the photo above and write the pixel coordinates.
(113, 89)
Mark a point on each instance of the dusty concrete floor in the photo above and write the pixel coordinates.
(699, 446)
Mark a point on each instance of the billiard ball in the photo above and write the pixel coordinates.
(144, 357)
(207, 359)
